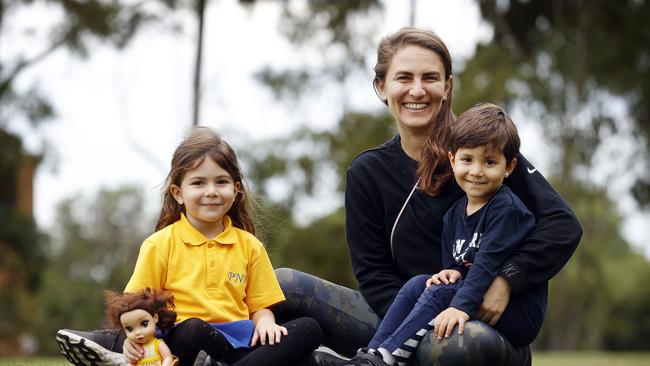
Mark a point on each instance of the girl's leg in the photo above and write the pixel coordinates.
(345, 318)
(304, 336)
(406, 338)
(189, 337)
(400, 308)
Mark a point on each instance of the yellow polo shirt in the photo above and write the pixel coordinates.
(217, 280)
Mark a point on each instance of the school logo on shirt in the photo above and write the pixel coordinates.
(465, 256)
(237, 278)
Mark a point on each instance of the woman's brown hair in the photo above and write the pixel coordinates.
(149, 300)
(200, 144)
(433, 169)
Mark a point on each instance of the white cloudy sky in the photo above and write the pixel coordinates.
(114, 103)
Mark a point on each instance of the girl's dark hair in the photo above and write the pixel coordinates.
(202, 142)
(432, 171)
(485, 124)
(149, 300)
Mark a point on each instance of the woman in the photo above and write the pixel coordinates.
(393, 227)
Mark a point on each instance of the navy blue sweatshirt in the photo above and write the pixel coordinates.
(482, 240)
(379, 181)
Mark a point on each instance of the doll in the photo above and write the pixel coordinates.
(138, 314)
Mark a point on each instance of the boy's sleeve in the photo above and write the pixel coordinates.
(506, 227)
(448, 242)
(262, 287)
(150, 269)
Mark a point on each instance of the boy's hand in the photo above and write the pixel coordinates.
(445, 276)
(132, 351)
(444, 323)
(266, 327)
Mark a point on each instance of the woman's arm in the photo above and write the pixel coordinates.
(553, 240)
(372, 260)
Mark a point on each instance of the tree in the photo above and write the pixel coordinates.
(94, 249)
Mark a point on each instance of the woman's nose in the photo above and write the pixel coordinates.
(416, 89)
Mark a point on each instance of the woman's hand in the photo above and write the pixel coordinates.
(445, 276)
(132, 351)
(495, 300)
(265, 327)
(444, 323)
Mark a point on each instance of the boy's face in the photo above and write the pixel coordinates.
(139, 325)
(480, 172)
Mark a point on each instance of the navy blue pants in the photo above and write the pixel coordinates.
(411, 315)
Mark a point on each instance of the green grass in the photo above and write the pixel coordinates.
(539, 359)
(591, 358)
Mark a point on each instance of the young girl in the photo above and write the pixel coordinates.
(480, 231)
(205, 254)
(138, 315)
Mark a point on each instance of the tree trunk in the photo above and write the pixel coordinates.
(200, 13)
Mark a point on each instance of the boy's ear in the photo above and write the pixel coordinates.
(511, 166)
(176, 193)
(451, 158)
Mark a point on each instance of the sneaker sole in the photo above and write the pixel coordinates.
(80, 351)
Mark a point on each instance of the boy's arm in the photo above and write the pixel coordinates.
(553, 240)
(505, 228)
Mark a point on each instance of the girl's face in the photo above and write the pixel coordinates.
(139, 325)
(207, 192)
(414, 88)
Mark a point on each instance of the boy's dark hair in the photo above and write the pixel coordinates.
(485, 124)
(149, 300)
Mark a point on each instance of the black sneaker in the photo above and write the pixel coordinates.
(204, 359)
(321, 358)
(367, 357)
(90, 348)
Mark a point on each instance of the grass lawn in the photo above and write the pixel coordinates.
(539, 359)
(590, 359)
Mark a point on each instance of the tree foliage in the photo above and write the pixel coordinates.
(94, 249)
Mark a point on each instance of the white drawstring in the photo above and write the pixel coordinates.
(392, 232)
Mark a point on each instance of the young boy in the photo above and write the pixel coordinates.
(480, 231)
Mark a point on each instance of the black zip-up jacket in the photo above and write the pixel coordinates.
(378, 183)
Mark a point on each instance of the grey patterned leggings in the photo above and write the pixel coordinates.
(348, 323)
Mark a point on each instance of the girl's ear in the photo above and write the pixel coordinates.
(238, 187)
(155, 318)
(511, 167)
(176, 193)
(451, 158)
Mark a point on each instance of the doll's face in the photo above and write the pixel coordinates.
(139, 325)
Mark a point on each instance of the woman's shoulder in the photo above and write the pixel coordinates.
(504, 198)
(376, 156)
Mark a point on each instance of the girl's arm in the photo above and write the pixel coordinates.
(265, 326)
(166, 354)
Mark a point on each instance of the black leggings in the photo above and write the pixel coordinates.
(193, 335)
